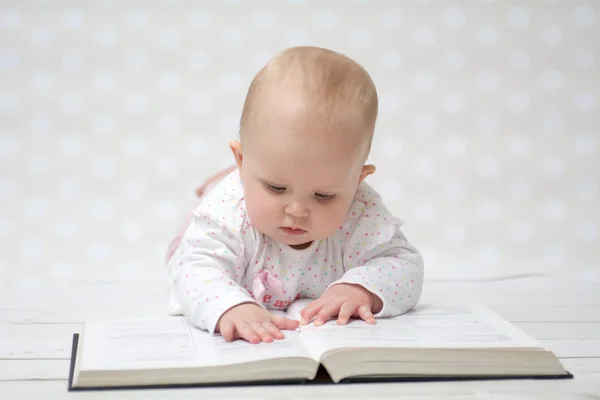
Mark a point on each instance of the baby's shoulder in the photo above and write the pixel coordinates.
(368, 204)
(369, 222)
(224, 203)
(366, 194)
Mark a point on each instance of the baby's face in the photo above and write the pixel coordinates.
(298, 188)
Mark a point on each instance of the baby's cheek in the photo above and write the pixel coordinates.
(259, 210)
(331, 219)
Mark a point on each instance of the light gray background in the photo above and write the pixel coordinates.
(111, 112)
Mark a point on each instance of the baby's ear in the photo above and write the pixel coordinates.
(236, 149)
(366, 171)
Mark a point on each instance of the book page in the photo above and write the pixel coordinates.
(422, 327)
(293, 310)
(457, 326)
(170, 343)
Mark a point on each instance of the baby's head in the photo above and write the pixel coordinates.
(306, 131)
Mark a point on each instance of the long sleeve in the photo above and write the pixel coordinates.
(393, 271)
(378, 256)
(206, 270)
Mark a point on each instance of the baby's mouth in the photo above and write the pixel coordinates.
(292, 231)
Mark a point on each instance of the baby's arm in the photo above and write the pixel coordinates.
(384, 279)
(393, 271)
(206, 270)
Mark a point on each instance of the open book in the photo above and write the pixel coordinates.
(428, 342)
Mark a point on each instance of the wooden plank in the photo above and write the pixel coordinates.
(561, 330)
(126, 302)
(545, 314)
(525, 292)
(583, 368)
(73, 304)
(47, 341)
(572, 348)
(522, 390)
(24, 370)
(27, 370)
(78, 313)
(53, 341)
(529, 293)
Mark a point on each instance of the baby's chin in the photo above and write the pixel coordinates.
(301, 241)
(295, 242)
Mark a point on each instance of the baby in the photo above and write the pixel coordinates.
(295, 219)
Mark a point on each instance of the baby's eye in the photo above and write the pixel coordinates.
(322, 196)
(275, 189)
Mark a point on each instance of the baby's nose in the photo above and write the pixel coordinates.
(297, 209)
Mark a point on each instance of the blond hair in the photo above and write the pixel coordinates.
(331, 87)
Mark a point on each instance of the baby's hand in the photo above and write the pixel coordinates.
(345, 301)
(252, 323)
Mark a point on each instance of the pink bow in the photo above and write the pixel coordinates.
(265, 281)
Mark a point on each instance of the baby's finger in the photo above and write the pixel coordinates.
(365, 314)
(273, 330)
(310, 306)
(261, 331)
(246, 332)
(327, 313)
(227, 330)
(311, 311)
(285, 323)
(346, 311)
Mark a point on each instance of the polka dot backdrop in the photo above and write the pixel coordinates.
(112, 112)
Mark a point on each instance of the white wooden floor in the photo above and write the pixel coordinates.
(36, 326)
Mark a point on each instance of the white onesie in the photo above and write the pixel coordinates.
(223, 261)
